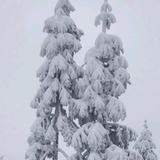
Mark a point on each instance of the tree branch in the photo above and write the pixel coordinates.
(86, 153)
(83, 65)
(64, 153)
(44, 156)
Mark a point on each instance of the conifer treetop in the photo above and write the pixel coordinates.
(145, 124)
(61, 22)
(65, 6)
(106, 18)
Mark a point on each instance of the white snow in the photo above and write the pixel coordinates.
(115, 153)
(116, 110)
(94, 156)
(96, 135)
(64, 96)
(145, 145)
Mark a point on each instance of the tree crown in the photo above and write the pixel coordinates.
(106, 18)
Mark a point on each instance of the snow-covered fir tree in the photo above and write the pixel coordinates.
(145, 145)
(58, 77)
(99, 109)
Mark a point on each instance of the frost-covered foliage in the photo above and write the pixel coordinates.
(98, 108)
(145, 145)
(93, 135)
(83, 104)
(105, 80)
(115, 153)
(105, 16)
(134, 155)
(58, 77)
(121, 135)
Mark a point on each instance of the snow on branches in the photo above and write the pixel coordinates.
(58, 76)
(67, 128)
(134, 155)
(94, 156)
(81, 103)
(98, 138)
(65, 5)
(116, 110)
(98, 107)
(145, 145)
(115, 153)
(104, 81)
(93, 135)
(105, 16)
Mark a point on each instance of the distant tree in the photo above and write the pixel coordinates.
(99, 109)
(58, 76)
(145, 145)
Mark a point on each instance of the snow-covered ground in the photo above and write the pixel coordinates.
(21, 37)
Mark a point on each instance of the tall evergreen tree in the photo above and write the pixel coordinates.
(145, 145)
(99, 108)
(58, 76)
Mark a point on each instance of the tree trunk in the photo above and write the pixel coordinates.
(104, 27)
(57, 113)
(56, 145)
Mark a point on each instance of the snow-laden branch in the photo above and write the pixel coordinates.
(59, 150)
(45, 155)
(83, 65)
(64, 153)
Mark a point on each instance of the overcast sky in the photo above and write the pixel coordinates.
(21, 23)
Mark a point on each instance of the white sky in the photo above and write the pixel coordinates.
(21, 23)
